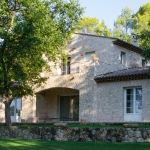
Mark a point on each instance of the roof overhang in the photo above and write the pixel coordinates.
(125, 78)
(128, 46)
(138, 73)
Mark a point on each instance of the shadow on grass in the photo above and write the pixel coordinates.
(21, 144)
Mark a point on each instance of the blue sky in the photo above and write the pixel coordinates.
(109, 10)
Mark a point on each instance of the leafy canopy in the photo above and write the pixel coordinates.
(93, 25)
(141, 24)
(123, 25)
(28, 29)
(133, 22)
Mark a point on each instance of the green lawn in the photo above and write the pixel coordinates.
(71, 125)
(74, 125)
(79, 125)
(18, 144)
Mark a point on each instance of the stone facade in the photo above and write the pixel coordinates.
(80, 134)
(110, 100)
(2, 111)
(97, 102)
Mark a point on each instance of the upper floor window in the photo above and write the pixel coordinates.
(123, 58)
(144, 62)
(88, 55)
(66, 67)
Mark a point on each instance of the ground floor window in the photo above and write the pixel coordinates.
(69, 108)
(133, 104)
(15, 109)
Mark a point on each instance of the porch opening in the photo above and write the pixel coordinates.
(57, 104)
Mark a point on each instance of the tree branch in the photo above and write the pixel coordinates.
(13, 12)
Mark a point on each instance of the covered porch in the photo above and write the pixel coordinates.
(57, 104)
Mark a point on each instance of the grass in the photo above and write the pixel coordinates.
(74, 125)
(69, 125)
(19, 144)
(94, 126)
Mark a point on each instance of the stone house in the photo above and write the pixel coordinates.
(104, 80)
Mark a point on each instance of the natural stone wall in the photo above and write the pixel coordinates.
(28, 111)
(110, 100)
(108, 53)
(2, 110)
(80, 134)
(82, 82)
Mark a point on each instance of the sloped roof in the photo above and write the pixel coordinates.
(125, 74)
(128, 46)
(118, 42)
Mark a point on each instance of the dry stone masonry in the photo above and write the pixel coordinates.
(80, 134)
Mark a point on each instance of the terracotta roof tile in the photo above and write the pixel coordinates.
(125, 74)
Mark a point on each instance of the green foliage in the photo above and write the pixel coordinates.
(145, 41)
(142, 18)
(137, 23)
(123, 24)
(29, 29)
(93, 25)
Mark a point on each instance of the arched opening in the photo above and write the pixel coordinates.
(57, 104)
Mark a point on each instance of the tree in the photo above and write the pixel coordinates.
(145, 40)
(123, 25)
(140, 23)
(29, 29)
(93, 25)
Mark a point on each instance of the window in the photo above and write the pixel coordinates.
(15, 107)
(123, 58)
(66, 67)
(89, 55)
(144, 62)
(133, 104)
(133, 100)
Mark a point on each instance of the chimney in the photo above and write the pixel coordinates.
(134, 39)
(84, 30)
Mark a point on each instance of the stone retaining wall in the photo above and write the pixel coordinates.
(80, 134)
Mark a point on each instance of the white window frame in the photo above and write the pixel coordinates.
(15, 101)
(134, 114)
(15, 117)
(67, 67)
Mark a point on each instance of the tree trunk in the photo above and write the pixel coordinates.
(7, 118)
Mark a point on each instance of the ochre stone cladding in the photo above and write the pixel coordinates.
(98, 102)
(2, 111)
(110, 100)
(28, 111)
(81, 82)
(108, 53)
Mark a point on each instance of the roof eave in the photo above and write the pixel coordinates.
(122, 78)
(128, 46)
